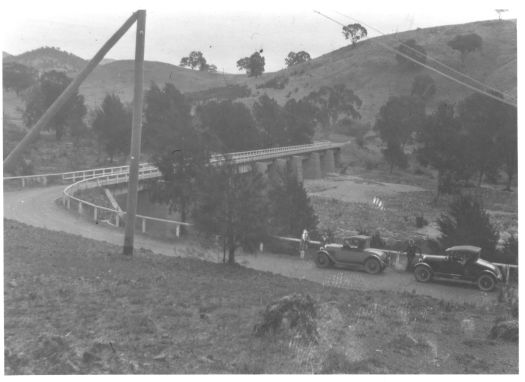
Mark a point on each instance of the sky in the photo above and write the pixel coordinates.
(224, 31)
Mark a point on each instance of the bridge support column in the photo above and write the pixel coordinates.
(262, 168)
(313, 166)
(296, 166)
(328, 162)
(337, 158)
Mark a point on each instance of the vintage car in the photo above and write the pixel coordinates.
(461, 262)
(355, 251)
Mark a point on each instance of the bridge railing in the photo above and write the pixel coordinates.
(114, 217)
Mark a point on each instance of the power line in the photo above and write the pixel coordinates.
(430, 67)
(431, 58)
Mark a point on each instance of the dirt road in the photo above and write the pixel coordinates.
(37, 207)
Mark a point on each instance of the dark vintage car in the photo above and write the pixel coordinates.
(355, 251)
(461, 262)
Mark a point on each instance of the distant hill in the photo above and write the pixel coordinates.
(369, 69)
(49, 58)
(6, 55)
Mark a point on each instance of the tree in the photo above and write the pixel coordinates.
(507, 142)
(270, 121)
(167, 119)
(423, 86)
(396, 122)
(179, 169)
(230, 125)
(254, 65)
(196, 60)
(291, 210)
(18, 77)
(331, 104)
(414, 51)
(441, 143)
(466, 44)
(300, 122)
(112, 126)
(297, 58)
(354, 32)
(467, 223)
(50, 85)
(233, 206)
(482, 118)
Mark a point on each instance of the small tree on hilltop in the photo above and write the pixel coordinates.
(297, 58)
(354, 32)
(467, 223)
(233, 206)
(291, 210)
(254, 65)
(410, 53)
(196, 60)
(50, 86)
(466, 44)
(423, 86)
(112, 126)
(331, 104)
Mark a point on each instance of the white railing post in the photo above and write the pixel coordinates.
(143, 225)
(79, 207)
(177, 230)
(68, 203)
(23, 182)
(117, 220)
(95, 214)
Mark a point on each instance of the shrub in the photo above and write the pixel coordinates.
(421, 221)
(274, 83)
(467, 222)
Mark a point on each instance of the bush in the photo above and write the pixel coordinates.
(274, 83)
(467, 223)
(421, 221)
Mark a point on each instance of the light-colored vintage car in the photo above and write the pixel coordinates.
(354, 252)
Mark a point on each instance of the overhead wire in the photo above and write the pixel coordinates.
(429, 57)
(481, 91)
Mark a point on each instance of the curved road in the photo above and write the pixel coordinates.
(37, 207)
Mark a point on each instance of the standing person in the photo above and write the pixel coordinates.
(304, 243)
(411, 254)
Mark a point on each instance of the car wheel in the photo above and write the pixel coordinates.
(322, 260)
(486, 283)
(422, 274)
(372, 266)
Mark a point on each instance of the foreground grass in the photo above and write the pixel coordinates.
(74, 305)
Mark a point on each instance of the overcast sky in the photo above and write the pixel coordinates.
(224, 30)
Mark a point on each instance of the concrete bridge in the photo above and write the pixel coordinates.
(305, 161)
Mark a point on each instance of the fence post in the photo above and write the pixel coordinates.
(117, 220)
(143, 225)
(23, 182)
(177, 230)
(79, 207)
(68, 203)
(95, 214)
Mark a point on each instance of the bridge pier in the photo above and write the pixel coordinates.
(262, 168)
(337, 158)
(296, 167)
(328, 162)
(313, 166)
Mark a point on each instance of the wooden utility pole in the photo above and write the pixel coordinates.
(136, 135)
(68, 92)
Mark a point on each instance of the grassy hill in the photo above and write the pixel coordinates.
(369, 69)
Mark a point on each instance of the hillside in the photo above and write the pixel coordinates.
(369, 69)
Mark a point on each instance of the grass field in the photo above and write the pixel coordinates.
(73, 305)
